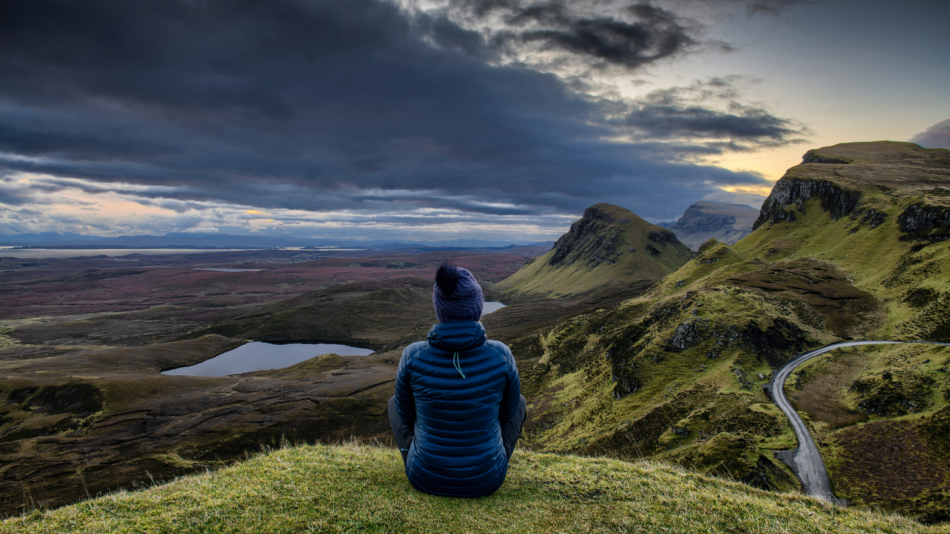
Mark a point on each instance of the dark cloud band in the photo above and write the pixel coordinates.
(316, 105)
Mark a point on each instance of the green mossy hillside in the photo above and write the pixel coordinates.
(608, 246)
(364, 489)
(851, 244)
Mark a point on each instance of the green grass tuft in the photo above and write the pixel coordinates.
(354, 488)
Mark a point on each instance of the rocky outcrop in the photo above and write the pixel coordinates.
(609, 245)
(796, 192)
(594, 214)
(773, 344)
(921, 218)
(895, 392)
(704, 220)
(590, 240)
(873, 218)
(662, 236)
(812, 156)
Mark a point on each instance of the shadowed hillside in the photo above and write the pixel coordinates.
(608, 246)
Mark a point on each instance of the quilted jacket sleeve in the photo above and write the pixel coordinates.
(512, 393)
(405, 404)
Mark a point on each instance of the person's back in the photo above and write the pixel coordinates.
(458, 409)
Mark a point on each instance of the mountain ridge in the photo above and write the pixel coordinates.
(706, 220)
(608, 245)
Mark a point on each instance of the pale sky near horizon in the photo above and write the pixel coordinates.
(850, 70)
(491, 119)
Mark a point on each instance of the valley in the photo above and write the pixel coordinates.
(85, 409)
(629, 344)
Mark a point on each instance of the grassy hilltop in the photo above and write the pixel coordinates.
(359, 488)
(852, 243)
(608, 246)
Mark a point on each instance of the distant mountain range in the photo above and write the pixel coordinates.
(190, 240)
(705, 220)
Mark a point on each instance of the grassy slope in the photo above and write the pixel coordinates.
(359, 488)
(612, 381)
(539, 277)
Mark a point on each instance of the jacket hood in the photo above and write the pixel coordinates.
(457, 336)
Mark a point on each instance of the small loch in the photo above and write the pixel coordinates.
(222, 270)
(259, 356)
(490, 307)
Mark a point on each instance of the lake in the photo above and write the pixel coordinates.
(491, 307)
(258, 356)
(226, 270)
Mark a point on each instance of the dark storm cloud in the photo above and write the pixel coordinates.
(707, 113)
(937, 136)
(774, 7)
(320, 105)
(695, 121)
(640, 34)
(655, 35)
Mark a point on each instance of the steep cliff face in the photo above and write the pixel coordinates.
(875, 175)
(607, 246)
(796, 192)
(926, 222)
(704, 220)
(595, 239)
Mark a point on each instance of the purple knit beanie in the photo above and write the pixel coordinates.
(456, 295)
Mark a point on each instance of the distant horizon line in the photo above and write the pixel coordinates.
(19, 241)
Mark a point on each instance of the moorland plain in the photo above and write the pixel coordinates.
(84, 340)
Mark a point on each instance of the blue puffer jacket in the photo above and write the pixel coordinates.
(454, 390)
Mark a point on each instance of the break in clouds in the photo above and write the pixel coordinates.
(356, 117)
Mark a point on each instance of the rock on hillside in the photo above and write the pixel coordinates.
(609, 245)
(704, 220)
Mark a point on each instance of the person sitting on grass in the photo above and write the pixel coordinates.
(458, 408)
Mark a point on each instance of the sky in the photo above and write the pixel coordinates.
(439, 119)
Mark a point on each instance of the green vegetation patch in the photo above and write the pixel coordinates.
(364, 489)
(608, 246)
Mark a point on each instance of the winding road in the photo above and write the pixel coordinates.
(806, 460)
